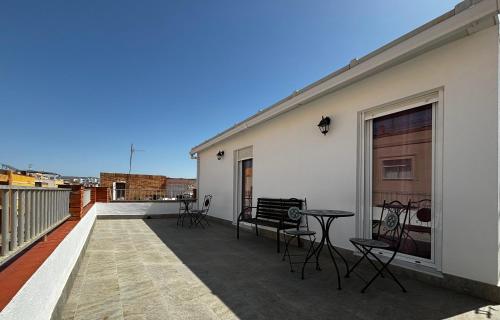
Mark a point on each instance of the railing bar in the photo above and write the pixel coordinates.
(6, 195)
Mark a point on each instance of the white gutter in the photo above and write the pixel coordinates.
(468, 17)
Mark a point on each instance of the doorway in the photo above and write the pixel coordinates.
(119, 190)
(400, 158)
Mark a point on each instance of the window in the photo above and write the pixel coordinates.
(397, 169)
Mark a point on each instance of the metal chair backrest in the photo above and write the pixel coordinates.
(390, 227)
(295, 214)
(206, 202)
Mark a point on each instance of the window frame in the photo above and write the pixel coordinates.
(412, 168)
(364, 178)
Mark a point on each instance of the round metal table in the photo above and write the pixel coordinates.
(325, 219)
(186, 202)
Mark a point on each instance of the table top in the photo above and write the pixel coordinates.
(327, 213)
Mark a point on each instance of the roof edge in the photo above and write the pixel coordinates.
(464, 14)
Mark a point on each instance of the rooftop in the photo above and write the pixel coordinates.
(148, 269)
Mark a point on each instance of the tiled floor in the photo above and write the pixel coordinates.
(149, 269)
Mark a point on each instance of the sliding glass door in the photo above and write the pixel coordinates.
(400, 151)
(246, 185)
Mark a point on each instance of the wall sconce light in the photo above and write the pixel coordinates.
(324, 125)
(220, 155)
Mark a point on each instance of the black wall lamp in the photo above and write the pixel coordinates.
(220, 154)
(324, 125)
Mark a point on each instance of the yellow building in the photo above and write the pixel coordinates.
(14, 179)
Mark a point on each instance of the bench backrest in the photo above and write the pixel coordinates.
(277, 209)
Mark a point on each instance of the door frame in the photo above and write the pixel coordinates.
(364, 173)
(237, 174)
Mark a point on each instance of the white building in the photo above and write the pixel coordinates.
(431, 99)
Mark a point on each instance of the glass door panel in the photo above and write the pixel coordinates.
(246, 185)
(402, 170)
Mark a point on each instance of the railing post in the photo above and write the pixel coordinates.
(38, 212)
(45, 210)
(34, 205)
(6, 195)
(27, 221)
(22, 210)
(53, 207)
(13, 239)
(61, 203)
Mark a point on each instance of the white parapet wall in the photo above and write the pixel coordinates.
(39, 296)
(137, 209)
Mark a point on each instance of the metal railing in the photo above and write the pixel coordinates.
(86, 197)
(140, 195)
(27, 214)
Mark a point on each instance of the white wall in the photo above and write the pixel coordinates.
(39, 295)
(137, 208)
(292, 158)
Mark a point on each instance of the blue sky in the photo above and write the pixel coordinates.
(81, 80)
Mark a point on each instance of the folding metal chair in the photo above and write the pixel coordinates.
(200, 215)
(295, 215)
(389, 237)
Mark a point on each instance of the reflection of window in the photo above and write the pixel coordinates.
(396, 169)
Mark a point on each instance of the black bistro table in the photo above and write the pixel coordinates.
(186, 202)
(325, 219)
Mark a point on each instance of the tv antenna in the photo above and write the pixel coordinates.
(132, 151)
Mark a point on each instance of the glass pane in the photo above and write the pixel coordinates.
(247, 185)
(402, 171)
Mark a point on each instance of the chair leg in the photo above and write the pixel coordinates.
(238, 229)
(312, 240)
(385, 266)
(287, 252)
(365, 252)
(278, 239)
(256, 230)
(286, 247)
(357, 262)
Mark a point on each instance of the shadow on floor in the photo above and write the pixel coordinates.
(252, 280)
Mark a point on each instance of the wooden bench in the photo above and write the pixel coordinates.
(270, 213)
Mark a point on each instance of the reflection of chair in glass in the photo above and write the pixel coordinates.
(303, 231)
(420, 223)
(389, 236)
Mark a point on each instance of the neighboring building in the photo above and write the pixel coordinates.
(83, 181)
(144, 186)
(8, 177)
(417, 119)
(45, 179)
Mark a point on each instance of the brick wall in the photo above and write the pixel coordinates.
(134, 181)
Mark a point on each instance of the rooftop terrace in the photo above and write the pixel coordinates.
(149, 269)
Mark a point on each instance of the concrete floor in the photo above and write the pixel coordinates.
(149, 269)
